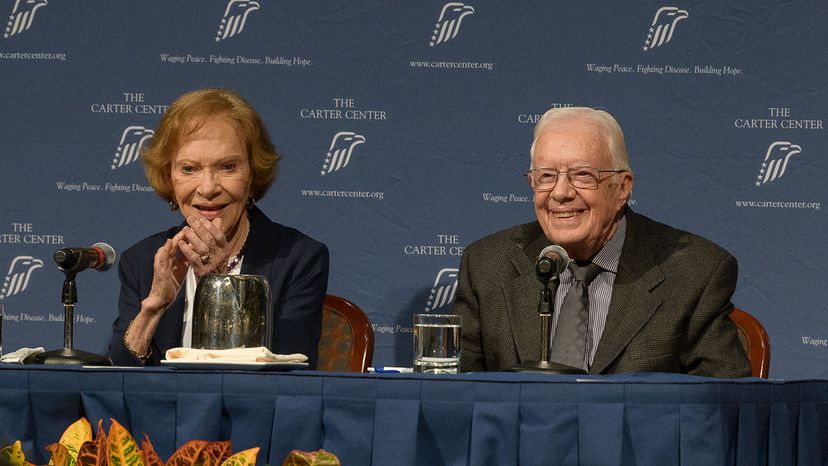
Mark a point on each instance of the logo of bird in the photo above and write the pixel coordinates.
(19, 274)
(22, 16)
(776, 160)
(339, 154)
(663, 27)
(442, 293)
(133, 139)
(235, 17)
(448, 24)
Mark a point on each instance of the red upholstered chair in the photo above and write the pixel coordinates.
(754, 340)
(347, 341)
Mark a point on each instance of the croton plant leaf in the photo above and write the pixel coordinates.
(187, 454)
(73, 437)
(77, 447)
(151, 458)
(242, 458)
(93, 453)
(121, 447)
(60, 454)
(311, 458)
(214, 454)
(13, 455)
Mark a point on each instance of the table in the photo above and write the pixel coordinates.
(400, 419)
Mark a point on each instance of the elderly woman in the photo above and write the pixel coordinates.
(212, 159)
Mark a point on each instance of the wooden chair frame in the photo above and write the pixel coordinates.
(362, 335)
(754, 340)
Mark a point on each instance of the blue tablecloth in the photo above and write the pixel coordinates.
(401, 419)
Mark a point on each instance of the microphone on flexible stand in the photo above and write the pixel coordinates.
(70, 261)
(552, 261)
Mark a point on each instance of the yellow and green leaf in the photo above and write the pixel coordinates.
(13, 455)
(121, 447)
(73, 437)
(311, 458)
(243, 458)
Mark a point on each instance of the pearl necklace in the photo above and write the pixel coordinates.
(232, 265)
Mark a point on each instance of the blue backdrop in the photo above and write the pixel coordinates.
(426, 110)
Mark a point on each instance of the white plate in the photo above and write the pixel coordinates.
(234, 365)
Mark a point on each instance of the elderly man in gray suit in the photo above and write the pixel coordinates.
(658, 298)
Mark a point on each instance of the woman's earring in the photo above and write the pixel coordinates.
(173, 206)
(251, 202)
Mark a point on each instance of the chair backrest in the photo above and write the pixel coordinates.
(347, 341)
(754, 340)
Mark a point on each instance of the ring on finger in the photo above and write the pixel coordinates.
(205, 258)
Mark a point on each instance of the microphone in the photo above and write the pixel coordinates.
(552, 261)
(100, 257)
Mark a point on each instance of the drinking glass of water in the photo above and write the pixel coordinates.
(437, 343)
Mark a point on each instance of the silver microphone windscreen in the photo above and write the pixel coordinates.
(554, 260)
(109, 256)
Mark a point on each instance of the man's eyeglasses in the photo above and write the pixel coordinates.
(545, 179)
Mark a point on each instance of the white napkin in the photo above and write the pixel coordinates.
(21, 354)
(259, 354)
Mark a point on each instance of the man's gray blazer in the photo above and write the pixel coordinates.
(668, 313)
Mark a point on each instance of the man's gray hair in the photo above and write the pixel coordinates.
(607, 124)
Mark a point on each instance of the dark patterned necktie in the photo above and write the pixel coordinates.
(569, 344)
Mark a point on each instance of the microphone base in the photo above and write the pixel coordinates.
(548, 367)
(68, 357)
